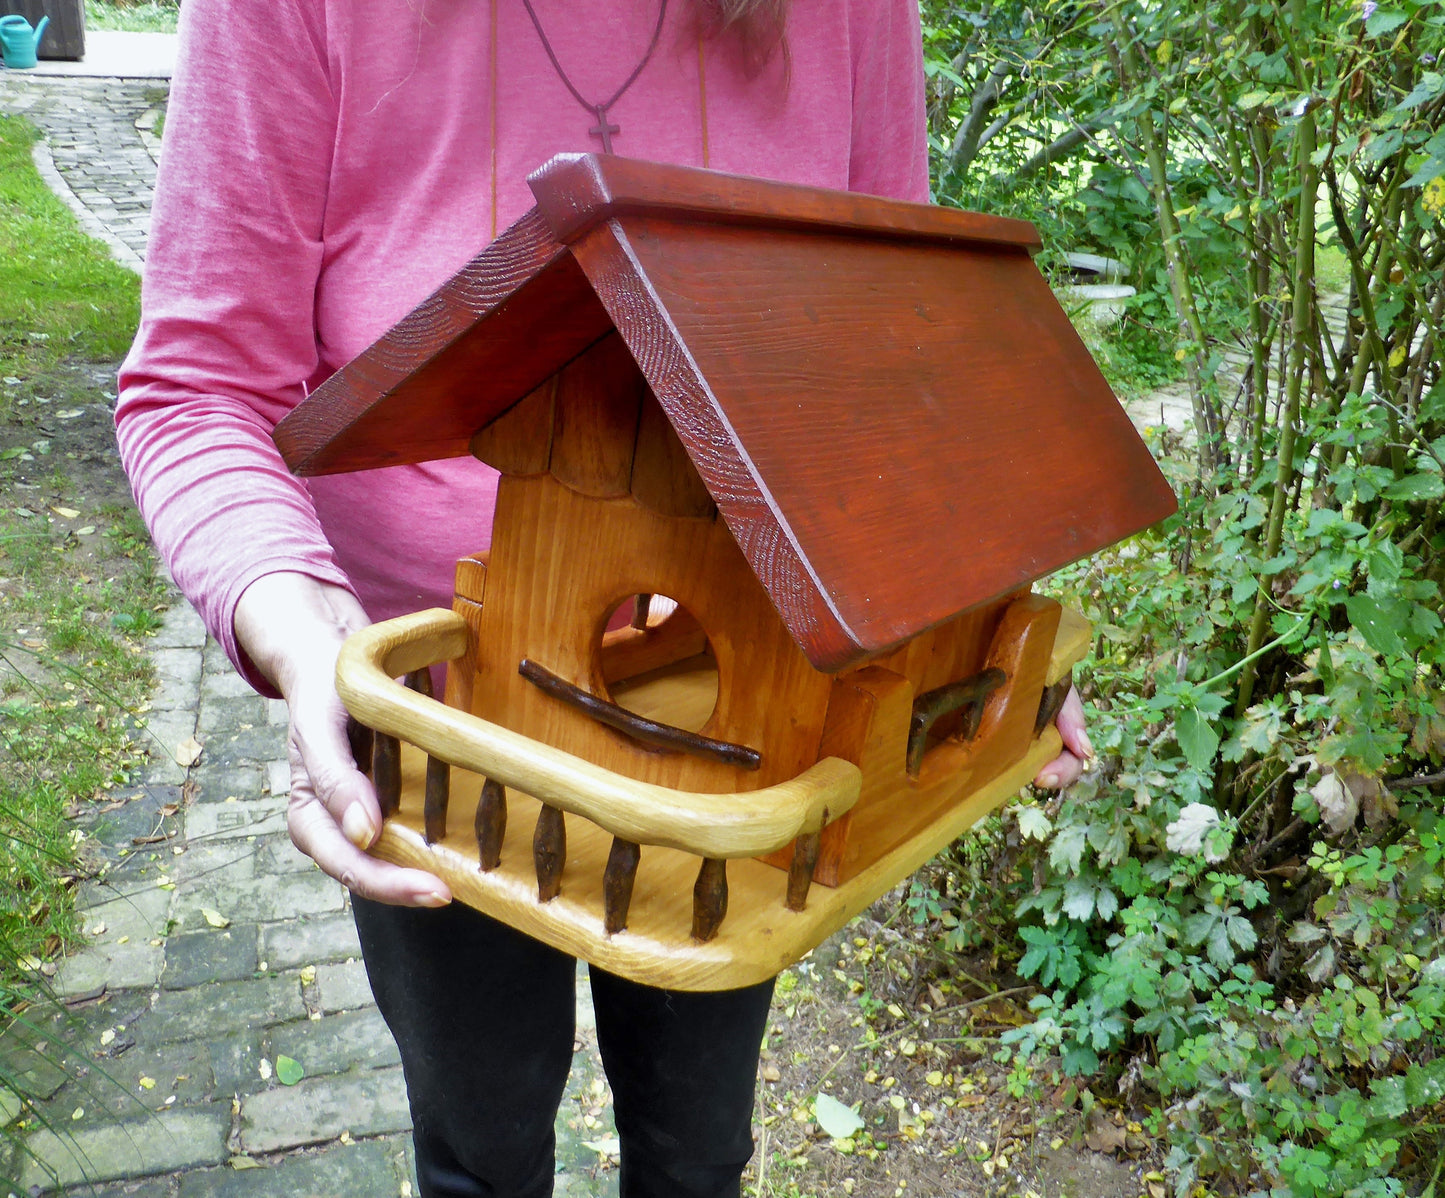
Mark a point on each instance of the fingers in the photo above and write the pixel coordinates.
(1065, 769)
(337, 845)
(293, 626)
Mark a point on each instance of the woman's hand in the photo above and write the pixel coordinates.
(292, 626)
(1068, 765)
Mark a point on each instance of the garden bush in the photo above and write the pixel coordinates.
(1236, 918)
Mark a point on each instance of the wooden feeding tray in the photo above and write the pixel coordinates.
(754, 636)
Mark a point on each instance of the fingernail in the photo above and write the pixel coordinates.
(356, 826)
(1088, 747)
(1049, 781)
(431, 898)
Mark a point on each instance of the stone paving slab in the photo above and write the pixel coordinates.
(323, 1108)
(160, 1143)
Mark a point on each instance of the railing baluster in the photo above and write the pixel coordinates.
(617, 882)
(386, 773)
(709, 898)
(800, 872)
(360, 738)
(438, 796)
(549, 852)
(491, 824)
(1052, 701)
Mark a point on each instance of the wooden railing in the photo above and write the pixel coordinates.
(715, 827)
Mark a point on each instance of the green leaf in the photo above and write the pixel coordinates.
(1421, 485)
(1197, 737)
(1078, 899)
(288, 1071)
(1067, 848)
(1383, 20)
(1033, 823)
(1379, 622)
(834, 1118)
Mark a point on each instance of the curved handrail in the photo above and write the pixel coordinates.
(747, 824)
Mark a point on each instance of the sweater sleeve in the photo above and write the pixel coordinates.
(890, 132)
(227, 336)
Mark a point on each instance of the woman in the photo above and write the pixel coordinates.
(328, 163)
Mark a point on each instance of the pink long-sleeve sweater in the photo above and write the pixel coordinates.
(329, 163)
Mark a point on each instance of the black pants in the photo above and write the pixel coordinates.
(484, 1019)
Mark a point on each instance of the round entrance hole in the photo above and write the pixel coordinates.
(657, 662)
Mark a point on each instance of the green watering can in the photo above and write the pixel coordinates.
(18, 42)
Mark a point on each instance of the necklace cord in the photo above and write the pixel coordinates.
(597, 109)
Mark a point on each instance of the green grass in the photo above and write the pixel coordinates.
(156, 16)
(61, 295)
(78, 588)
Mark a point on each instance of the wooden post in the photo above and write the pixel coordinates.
(800, 871)
(386, 773)
(438, 796)
(549, 852)
(1052, 701)
(491, 824)
(617, 882)
(709, 898)
(359, 737)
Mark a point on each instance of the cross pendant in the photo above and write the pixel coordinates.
(604, 130)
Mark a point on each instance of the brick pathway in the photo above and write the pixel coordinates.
(214, 947)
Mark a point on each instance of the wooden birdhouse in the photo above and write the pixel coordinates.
(754, 637)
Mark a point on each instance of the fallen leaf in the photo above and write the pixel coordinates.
(147, 1083)
(608, 1146)
(188, 752)
(244, 1162)
(264, 1069)
(1337, 803)
(215, 918)
(289, 1071)
(85, 531)
(836, 1120)
(68, 512)
(107, 1037)
(771, 1073)
(308, 975)
(1103, 1136)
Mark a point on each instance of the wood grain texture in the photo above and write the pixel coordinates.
(596, 407)
(489, 336)
(903, 432)
(759, 937)
(867, 725)
(712, 825)
(663, 476)
(519, 441)
(577, 192)
(549, 596)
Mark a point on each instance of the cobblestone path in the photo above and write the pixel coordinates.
(214, 949)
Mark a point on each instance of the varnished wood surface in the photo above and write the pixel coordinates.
(759, 936)
(713, 825)
(548, 599)
(490, 335)
(576, 192)
(900, 433)
(868, 725)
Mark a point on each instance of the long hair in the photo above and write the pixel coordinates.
(758, 26)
